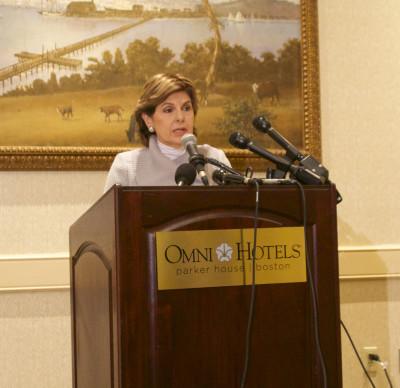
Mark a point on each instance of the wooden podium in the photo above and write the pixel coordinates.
(128, 334)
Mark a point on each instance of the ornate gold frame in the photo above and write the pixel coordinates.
(100, 158)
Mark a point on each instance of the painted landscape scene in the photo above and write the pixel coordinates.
(71, 72)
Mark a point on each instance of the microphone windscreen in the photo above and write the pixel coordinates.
(261, 124)
(185, 174)
(188, 138)
(238, 140)
(218, 177)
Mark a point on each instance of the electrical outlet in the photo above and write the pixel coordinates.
(372, 367)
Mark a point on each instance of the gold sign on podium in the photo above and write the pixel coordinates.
(216, 258)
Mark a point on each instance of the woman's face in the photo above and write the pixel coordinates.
(173, 118)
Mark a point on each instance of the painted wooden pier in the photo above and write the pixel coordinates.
(29, 61)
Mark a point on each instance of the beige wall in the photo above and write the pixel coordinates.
(360, 87)
(35, 339)
(35, 212)
(359, 52)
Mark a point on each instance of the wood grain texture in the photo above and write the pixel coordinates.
(195, 338)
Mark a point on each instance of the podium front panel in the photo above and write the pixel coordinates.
(195, 337)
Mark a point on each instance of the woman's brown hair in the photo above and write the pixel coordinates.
(155, 91)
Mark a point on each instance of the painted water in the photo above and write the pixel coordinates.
(26, 30)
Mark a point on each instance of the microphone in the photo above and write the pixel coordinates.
(218, 177)
(240, 141)
(185, 174)
(189, 141)
(302, 174)
(292, 153)
(263, 125)
(221, 177)
(224, 178)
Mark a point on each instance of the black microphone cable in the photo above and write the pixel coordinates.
(376, 359)
(372, 357)
(357, 354)
(387, 376)
(315, 312)
(253, 291)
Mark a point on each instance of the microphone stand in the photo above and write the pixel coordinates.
(222, 166)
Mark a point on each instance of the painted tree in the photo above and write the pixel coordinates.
(269, 67)
(235, 63)
(289, 63)
(39, 86)
(239, 114)
(195, 61)
(146, 58)
(72, 83)
(214, 26)
(52, 83)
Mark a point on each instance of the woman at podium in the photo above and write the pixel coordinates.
(164, 113)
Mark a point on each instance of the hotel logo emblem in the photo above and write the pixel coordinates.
(224, 252)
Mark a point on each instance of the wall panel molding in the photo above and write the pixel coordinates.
(369, 261)
(51, 271)
(34, 272)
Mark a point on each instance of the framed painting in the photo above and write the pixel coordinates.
(72, 71)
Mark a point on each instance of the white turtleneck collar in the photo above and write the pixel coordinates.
(170, 152)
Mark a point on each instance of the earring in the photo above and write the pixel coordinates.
(151, 129)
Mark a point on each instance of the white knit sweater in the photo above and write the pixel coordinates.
(150, 167)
